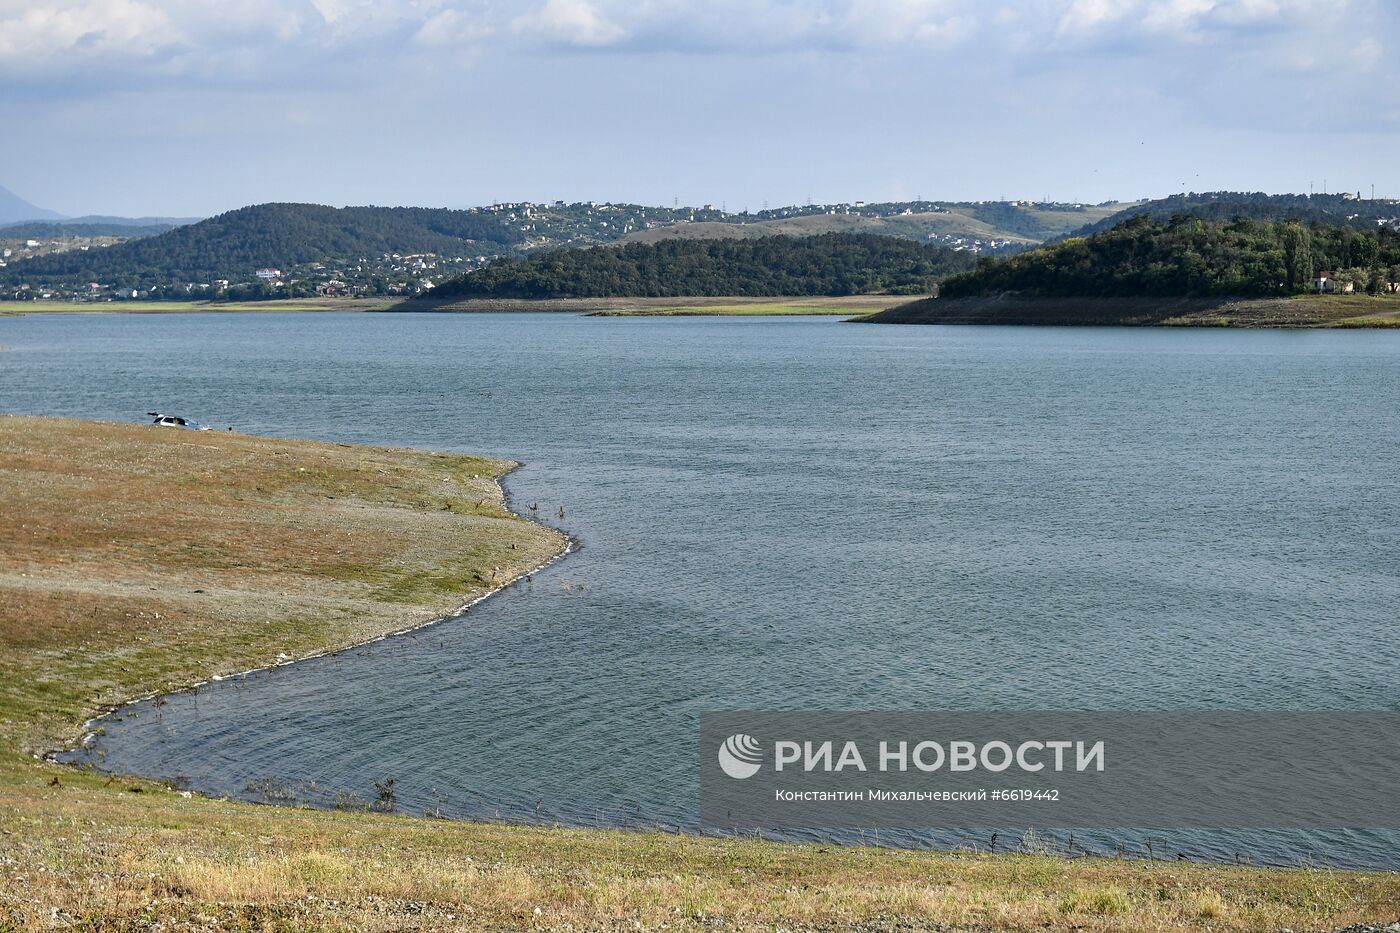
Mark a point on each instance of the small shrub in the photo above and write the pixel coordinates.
(1207, 905)
(349, 800)
(1102, 902)
(385, 799)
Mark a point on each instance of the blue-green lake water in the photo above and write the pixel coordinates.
(793, 513)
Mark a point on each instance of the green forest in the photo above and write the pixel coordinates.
(829, 264)
(1190, 256)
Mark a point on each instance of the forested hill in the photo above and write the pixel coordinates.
(232, 245)
(1341, 210)
(830, 264)
(1189, 256)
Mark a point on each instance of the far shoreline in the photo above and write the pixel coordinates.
(1301, 312)
(735, 306)
(1327, 311)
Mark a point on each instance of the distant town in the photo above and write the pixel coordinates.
(274, 251)
(533, 226)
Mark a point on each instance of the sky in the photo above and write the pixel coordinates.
(193, 107)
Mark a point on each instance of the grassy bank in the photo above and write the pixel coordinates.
(138, 558)
(1302, 311)
(657, 307)
(665, 307)
(177, 307)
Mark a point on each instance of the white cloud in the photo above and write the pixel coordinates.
(32, 32)
(1191, 20)
(165, 39)
(570, 22)
(1087, 15)
(452, 28)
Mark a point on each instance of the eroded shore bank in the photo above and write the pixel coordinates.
(1309, 311)
(137, 559)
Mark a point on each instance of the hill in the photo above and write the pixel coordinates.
(983, 227)
(232, 247)
(318, 250)
(1190, 257)
(1341, 210)
(14, 208)
(831, 264)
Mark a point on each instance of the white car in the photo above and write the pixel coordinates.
(173, 421)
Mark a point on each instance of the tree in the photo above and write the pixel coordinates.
(1297, 253)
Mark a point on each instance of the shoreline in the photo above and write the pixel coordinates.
(88, 729)
(134, 849)
(1297, 313)
(621, 306)
(149, 306)
(371, 623)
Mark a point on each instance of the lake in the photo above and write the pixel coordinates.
(792, 513)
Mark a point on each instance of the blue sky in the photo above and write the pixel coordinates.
(185, 107)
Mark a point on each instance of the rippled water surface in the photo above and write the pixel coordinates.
(792, 513)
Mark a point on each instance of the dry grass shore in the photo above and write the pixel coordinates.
(621, 307)
(665, 307)
(135, 558)
(55, 306)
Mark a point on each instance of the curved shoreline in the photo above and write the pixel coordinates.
(79, 846)
(89, 727)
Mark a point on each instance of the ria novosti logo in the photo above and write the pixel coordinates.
(740, 756)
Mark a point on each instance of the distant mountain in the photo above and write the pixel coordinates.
(166, 222)
(14, 208)
(45, 229)
(1345, 210)
(829, 264)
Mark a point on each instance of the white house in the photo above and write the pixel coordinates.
(1328, 283)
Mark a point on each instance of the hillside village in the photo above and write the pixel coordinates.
(533, 226)
(518, 228)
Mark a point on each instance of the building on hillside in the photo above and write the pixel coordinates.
(268, 274)
(1327, 283)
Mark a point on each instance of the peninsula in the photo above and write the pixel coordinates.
(1184, 270)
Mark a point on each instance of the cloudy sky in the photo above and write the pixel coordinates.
(186, 107)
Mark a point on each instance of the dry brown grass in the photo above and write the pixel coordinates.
(665, 307)
(109, 531)
(135, 558)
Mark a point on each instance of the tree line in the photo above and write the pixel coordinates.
(1191, 256)
(829, 264)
